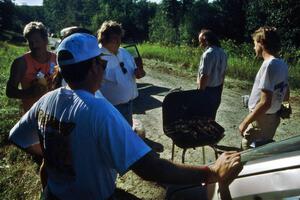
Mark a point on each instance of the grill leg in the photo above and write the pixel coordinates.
(183, 155)
(216, 153)
(173, 149)
(203, 155)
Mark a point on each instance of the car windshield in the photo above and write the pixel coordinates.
(284, 146)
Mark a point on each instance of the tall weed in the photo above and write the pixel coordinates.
(18, 174)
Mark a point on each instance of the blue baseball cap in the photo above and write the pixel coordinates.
(81, 46)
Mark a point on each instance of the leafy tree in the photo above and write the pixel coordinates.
(25, 14)
(133, 15)
(231, 15)
(172, 10)
(14, 17)
(200, 14)
(283, 14)
(61, 14)
(194, 15)
(56, 13)
(7, 12)
(161, 30)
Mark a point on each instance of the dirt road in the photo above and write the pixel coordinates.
(152, 90)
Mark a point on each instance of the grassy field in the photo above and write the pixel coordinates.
(18, 174)
(242, 63)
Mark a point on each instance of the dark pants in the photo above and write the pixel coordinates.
(48, 194)
(126, 110)
(214, 96)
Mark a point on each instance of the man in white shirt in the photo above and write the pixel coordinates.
(269, 90)
(212, 69)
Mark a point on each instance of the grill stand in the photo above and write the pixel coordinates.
(217, 149)
(184, 151)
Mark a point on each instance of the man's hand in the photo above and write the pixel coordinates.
(261, 107)
(139, 71)
(242, 127)
(226, 168)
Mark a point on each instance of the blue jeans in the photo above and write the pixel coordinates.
(126, 110)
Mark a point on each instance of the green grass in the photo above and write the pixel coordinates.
(18, 174)
(185, 57)
(242, 63)
(9, 108)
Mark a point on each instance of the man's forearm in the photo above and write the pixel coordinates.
(224, 192)
(32, 92)
(13, 92)
(203, 79)
(35, 150)
(160, 170)
(287, 94)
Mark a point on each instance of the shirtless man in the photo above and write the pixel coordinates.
(33, 69)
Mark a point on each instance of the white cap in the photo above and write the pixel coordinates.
(82, 46)
(64, 31)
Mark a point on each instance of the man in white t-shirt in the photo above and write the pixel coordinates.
(85, 141)
(269, 90)
(212, 69)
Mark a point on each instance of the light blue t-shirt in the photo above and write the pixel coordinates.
(86, 142)
(213, 63)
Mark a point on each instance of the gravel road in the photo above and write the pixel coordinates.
(147, 108)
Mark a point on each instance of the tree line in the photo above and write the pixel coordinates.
(169, 22)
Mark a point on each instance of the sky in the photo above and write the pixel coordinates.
(40, 2)
(29, 2)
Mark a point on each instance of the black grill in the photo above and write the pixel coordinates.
(194, 132)
(188, 120)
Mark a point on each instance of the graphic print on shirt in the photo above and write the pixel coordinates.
(55, 137)
(279, 90)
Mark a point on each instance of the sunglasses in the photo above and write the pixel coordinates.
(124, 70)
